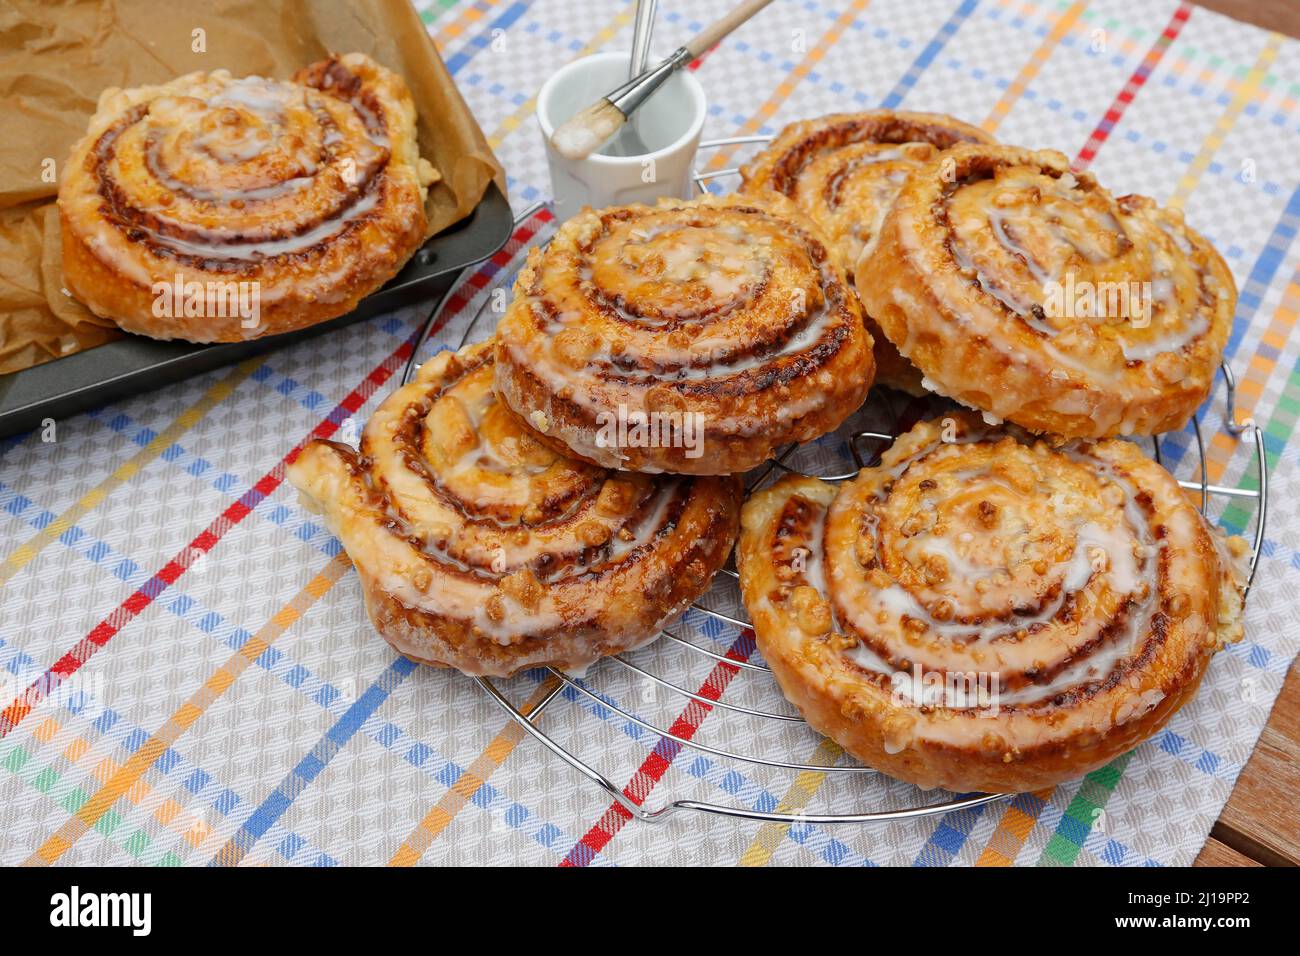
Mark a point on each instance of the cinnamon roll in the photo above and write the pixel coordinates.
(689, 337)
(843, 171)
(985, 612)
(216, 209)
(480, 549)
(1028, 291)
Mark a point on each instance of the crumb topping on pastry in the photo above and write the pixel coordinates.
(482, 548)
(1028, 291)
(731, 309)
(1074, 583)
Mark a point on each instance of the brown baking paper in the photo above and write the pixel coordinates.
(56, 58)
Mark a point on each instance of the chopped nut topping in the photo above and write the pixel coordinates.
(452, 429)
(1169, 368)
(664, 398)
(616, 498)
(1016, 476)
(593, 533)
(524, 588)
(936, 569)
(812, 613)
(865, 550)
(913, 525)
(841, 642)
(574, 346)
(422, 578)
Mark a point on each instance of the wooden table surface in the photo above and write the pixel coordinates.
(1280, 15)
(1261, 825)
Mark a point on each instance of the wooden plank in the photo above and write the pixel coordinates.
(1261, 822)
(1280, 15)
(1220, 854)
(1261, 819)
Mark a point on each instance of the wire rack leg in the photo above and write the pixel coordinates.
(592, 774)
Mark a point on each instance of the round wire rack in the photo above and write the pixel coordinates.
(629, 691)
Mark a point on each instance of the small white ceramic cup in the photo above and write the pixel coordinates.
(669, 123)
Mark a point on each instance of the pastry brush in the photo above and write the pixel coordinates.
(579, 137)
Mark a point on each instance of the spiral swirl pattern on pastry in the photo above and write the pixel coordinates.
(482, 549)
(311, 189)
(983, 611)
(728, 310)
(843, 171)
(1028, 291)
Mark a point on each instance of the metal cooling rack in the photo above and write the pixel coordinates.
(639, 668)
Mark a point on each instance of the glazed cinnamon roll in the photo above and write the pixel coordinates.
(985, 612)
(843, 171)
(1028, 291)
(217, 209)
(480, 549)
(688, 337)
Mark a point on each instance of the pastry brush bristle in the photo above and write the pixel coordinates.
(579, 137)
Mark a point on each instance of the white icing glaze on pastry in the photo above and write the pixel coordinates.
(1075, 586)
(482, 549)
(1026, 290)
(843, 171)
(313, 190)
(731, 309)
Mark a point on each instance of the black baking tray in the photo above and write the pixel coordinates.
(133, 363)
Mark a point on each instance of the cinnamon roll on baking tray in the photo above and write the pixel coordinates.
(310, 192)
(1027, 291)
(729, 312)
(481, 549)
(843, 171)
(983, 611)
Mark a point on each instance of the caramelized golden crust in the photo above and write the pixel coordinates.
(481, 549)
(984, 612)
(843, 171)
(724, 316)
(1028, 291)
(216, 209)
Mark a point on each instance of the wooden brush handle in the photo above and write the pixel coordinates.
(719, 28)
